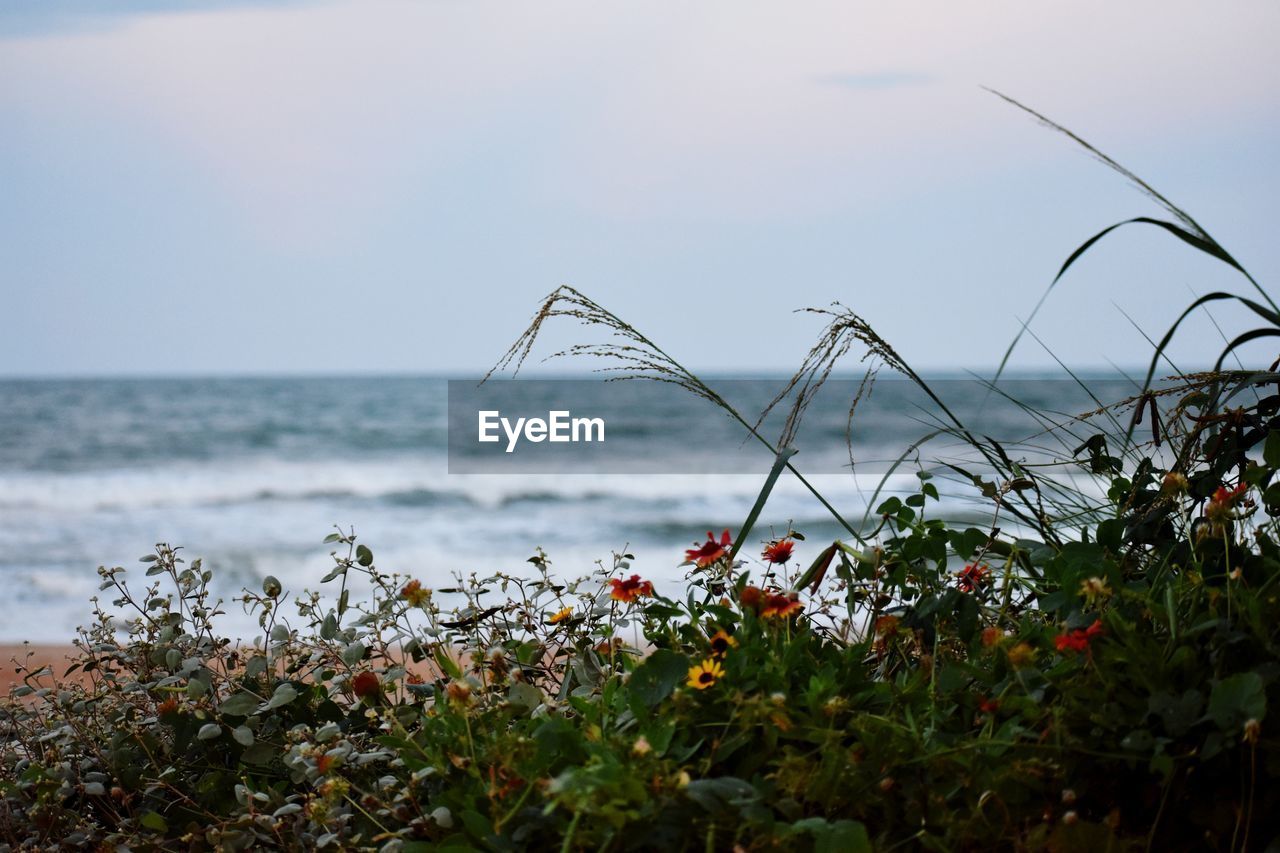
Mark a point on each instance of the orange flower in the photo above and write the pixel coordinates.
(989, 706)
(561, 616)
(991, 636)
(415, 593)
(324, 764)
(972, 577)
(167, 707)
(630, 589)
(710, 551)
(459, 692)
(1022, 655)
(365, 684)
(781, 605)
(778, 551)
(750, 597)
(887, 626)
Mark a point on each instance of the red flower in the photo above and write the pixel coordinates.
(709, 551)
(989, 706)
(972, 577)
(750, 597)
(780, 605)
(1222, 502)
(1223, 495)
(778, 551)
(630, 589)
(365, 684)
(1079, 639)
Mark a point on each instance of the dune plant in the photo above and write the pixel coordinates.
(1089, 669)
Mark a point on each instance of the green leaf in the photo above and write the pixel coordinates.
(243, 735)
(841, 836)
(524, 695)
(240, 705)
(721, 794)
(154, 821)
(364, 556)
(209, 731)
(353, 654)
(779, 462)
(1271, 451)
(818, 569)
(446, 663)
(657, 677)
(1236, 699)
(283, 695)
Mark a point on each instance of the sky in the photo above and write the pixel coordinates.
(391, 186)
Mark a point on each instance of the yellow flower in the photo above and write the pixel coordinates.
(415, 593)
(721, 643)
(1021, 656)
(561, 615)
(705, 674)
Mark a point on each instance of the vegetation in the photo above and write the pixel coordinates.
(1092, 669)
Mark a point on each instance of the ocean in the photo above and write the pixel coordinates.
(251, 474)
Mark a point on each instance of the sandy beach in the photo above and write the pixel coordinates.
(31, 656)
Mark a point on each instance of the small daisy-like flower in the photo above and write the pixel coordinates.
(991, 636)
(1175, 483)
(630, 589)
(415, 593)
(721, 642)
(709, 551)
(781, 606)
(971, 577)
(778, 551)
(1094, 589)
(167, 707)
(459, 692)
(561, 616)
(641, 746)
(705, 674)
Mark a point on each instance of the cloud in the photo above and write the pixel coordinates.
(59, 17)
(877, 79)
